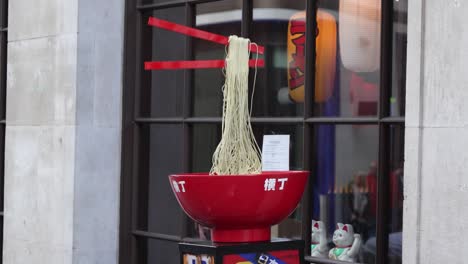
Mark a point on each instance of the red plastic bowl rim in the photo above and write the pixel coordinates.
(239, 175)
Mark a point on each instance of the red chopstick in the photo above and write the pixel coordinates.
(198, 64)
(196, 33)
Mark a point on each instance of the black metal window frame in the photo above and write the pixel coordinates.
(132, 122)
(3, 84)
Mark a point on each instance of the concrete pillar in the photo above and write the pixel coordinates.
(63, 134)
(436, 182)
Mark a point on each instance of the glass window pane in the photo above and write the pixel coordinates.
(162, 251)
(296, 140)
(400, 20)
(223, 18)
(156, 1)
(162, 90)
(205, 139)
(279, 26)
(160, 154)
(345, 179)
(347, 58)
(291, 227)
(395, 185)
(153, 251)
(397, 149)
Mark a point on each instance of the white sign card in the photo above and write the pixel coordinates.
(275, 153)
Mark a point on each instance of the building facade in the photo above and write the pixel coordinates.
(62, 159)
(90, 136)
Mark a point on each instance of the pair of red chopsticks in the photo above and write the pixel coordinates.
(196, 33)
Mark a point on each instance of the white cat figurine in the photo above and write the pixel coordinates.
(347, 244)
(318, 245)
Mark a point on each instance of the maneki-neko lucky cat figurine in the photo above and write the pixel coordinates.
(318, 245)
(347, 244)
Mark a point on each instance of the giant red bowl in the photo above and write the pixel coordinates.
(239, 208)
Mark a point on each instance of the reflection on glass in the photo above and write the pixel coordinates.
(395, 223)
(279, 26)
(160, 155)
(158, 251)
(347, 58)
(296, 143)
(291, 226)
(274, 96)
(161, 91)
(325, 56)
(222, 17)
(205, 138)
(345, 187)
(400, 20)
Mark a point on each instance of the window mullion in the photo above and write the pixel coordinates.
(384, 140)
(247, 18)
(308, 128)
(137, 183)
(190, 20)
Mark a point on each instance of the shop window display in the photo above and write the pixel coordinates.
(337, 122)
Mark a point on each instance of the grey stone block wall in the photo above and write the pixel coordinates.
(63, 134)
(436, 157)
(98, 131)
(40, 132)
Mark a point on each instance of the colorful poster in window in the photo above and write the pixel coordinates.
(272, 257)
(325, 56)
(201, 259)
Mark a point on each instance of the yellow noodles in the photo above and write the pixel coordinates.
(237, 152)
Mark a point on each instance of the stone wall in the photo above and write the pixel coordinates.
(63, 133)
(436, 157)
(98, 131)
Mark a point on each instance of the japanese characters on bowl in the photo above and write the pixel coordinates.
(347, 244)
(271, 184)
